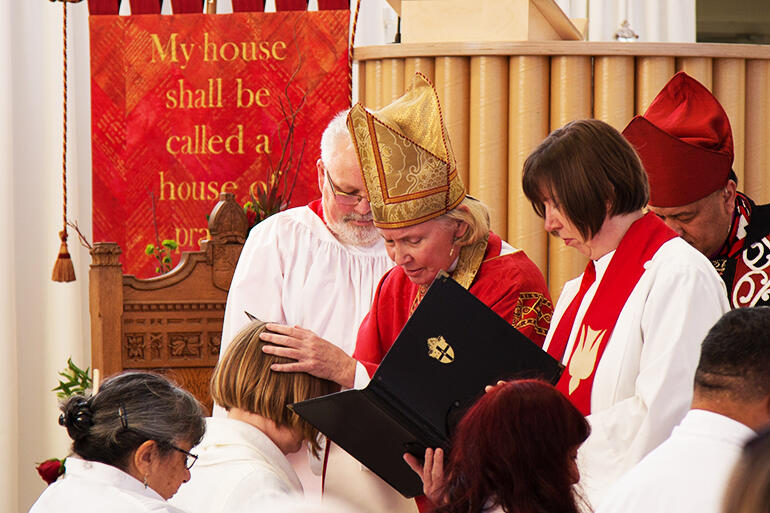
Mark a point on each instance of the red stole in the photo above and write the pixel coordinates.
(642, 240)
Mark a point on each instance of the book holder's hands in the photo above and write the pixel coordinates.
(431, 471)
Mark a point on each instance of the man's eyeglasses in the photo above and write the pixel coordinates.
(341, 197)
(190, 458)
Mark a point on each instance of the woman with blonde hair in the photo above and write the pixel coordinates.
(242, 459)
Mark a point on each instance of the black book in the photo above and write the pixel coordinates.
(452, 347)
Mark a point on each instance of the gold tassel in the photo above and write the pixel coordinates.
(63, 270)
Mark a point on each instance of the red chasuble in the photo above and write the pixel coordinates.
(511, 285)
(639, 244)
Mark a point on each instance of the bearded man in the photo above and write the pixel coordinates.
(317, 266)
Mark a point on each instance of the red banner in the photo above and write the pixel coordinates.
(184, 107)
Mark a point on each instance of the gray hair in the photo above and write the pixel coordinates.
(333, 135)
(128, 410)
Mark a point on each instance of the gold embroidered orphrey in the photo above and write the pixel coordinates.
(438, 349)
(583, 360)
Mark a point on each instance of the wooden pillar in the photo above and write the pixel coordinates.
(453, 84)
(570, 100)
(652, 73)
(699, 68)
(105, 298)
(392, 80)
(488, 173)
(730, 90)
(758, 130)
(527, 126)
(425, 65)
(373, 98)
(614, 90)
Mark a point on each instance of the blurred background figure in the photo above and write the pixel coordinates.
(749, 487)
(243, 456)
(514, 451)
(131, 445)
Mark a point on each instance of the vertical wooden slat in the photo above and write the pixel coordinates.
(699, 68)
(425, 65)
(392, 80)
(652, 73)
(570, 100)
(757, 168)
(614, 90)
(360, 94)
(453, 84)
(373, 99)
(730, 90)
(527, 126)
(488, 174)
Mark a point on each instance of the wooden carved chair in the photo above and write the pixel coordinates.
(170, 324)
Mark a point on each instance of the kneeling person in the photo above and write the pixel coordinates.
(242, 460)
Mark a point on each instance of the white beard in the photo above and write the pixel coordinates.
(353, 234)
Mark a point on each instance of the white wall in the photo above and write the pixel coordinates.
(43, 322)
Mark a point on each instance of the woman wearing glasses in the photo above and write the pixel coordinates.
(131, 444)
(243, 460)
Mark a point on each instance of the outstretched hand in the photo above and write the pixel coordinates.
(431, 472)
(313, 354)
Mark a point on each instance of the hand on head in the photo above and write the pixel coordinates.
(313, 354)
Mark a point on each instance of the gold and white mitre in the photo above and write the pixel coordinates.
(406, 159)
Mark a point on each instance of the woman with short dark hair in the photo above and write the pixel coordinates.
(628, 330)
(131, 444)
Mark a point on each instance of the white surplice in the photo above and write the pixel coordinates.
(688, 473)
(293, 270)
(93, 487)
(239, 469)
(643, 383)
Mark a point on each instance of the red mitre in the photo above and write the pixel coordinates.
(684, 141)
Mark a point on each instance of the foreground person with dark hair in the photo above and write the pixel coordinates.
(131, 444)
(689, 472)
(628, 330)
(514, 451)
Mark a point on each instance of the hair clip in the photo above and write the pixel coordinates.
(122, 416)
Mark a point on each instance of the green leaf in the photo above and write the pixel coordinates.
(150, 249)
(75, 381)
(166, 259)
(170, 244)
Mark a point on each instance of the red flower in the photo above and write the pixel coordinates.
(50, 470)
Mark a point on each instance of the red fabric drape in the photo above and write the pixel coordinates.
(248, 5)
(291, 5)
(146, 6)
(186, 6)
(333, 5)
(103, 6)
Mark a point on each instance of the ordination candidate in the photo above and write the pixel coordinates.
(629, 328)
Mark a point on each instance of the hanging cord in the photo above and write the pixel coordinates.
(350, 51)
(63, 270)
